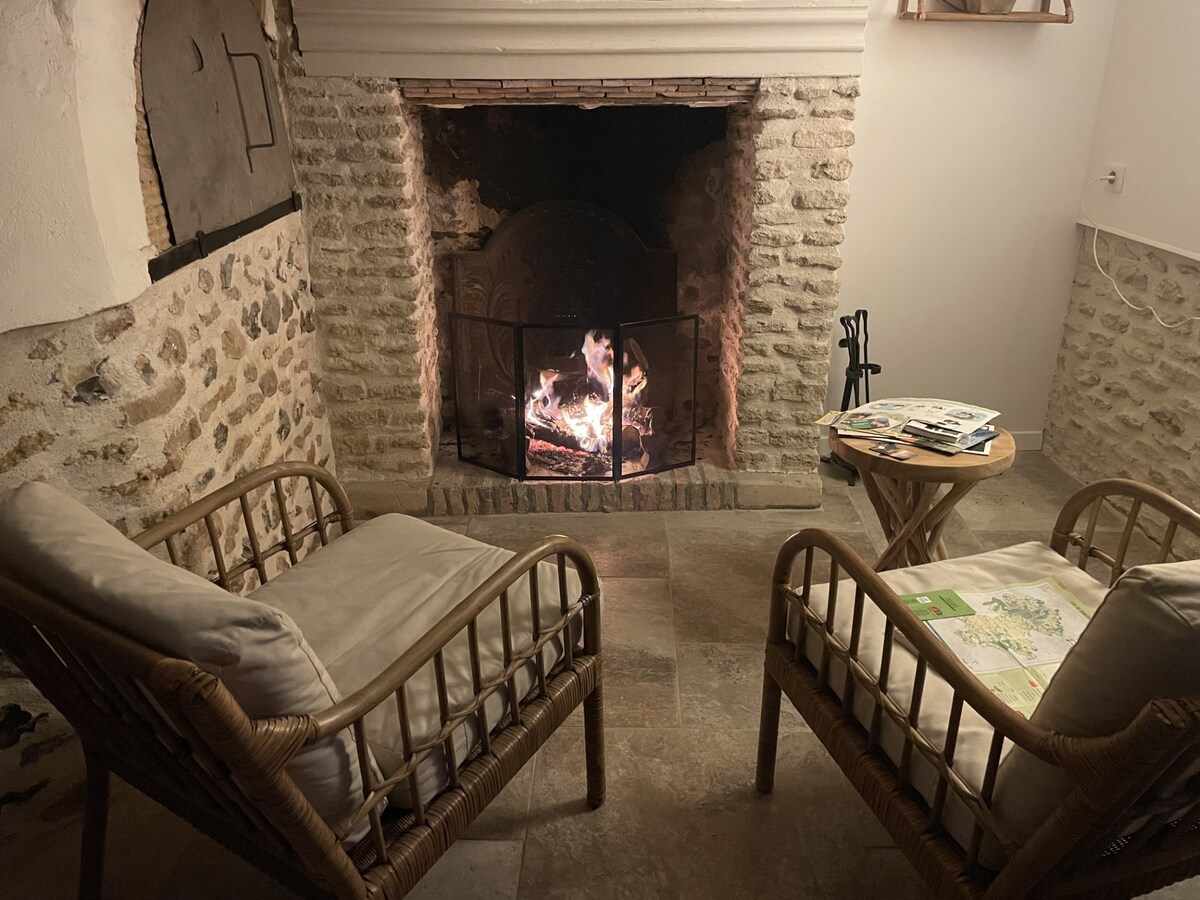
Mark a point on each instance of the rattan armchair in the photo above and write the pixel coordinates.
(175, 732)
(1129, 818)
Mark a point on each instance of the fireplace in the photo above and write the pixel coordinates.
(569, 357)
(706, 148)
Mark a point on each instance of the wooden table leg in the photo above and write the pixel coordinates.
(913, 518)
(912, 508)
(909, 504)
(940, 515)
(883, 512)
(922, 547)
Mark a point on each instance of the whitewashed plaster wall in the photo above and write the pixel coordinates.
(73, 232)
(1149, 119)
(970, 155)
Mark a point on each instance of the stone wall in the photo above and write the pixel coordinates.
(1126, 395)
(697, 206)
(738, 227)
(801, 160)
(138, 410)
(158, 227)
(357, 149)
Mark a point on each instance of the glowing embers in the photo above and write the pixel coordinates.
(574, 400)
(569, 413)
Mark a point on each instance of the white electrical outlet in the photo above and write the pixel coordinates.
(1117, 184)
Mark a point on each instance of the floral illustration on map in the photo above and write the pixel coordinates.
(1013, 621)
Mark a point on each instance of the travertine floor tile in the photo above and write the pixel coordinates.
(145, 843)
(1026, 497)
(628, 545)
(473, 870)
(641, 686)
(720, 686)
(838, 510)
(885, 872)
(960, 539)
(457, 524)
(1184, 890)
(721, 574)
(208, 871)
(682, 819)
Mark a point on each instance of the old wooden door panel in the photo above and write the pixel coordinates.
(213, 108)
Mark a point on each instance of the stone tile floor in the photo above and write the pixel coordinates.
(685, 611)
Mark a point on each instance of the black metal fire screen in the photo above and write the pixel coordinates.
(569, 358)
(576, 401)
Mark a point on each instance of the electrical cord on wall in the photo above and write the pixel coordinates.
(1110, 178)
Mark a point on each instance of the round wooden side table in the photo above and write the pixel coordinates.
(905, 493)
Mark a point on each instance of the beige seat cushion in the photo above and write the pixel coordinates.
(1020, 564)
(367, 597)
(52, 544)
(1143, 644)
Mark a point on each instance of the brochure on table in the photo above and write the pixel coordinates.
(885, 420)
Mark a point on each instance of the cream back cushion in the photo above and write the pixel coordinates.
(52, 544)
(1141, 645)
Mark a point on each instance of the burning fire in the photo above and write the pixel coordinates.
(585, 415)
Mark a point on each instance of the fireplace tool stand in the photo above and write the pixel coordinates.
(858, 369)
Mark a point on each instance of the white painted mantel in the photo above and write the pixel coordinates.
(496, 39)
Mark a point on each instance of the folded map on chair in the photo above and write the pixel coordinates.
(1017, 638)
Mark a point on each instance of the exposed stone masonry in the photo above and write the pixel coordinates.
(462, 489)
(140, 409)
(1126, 395)
(157, 226)
(594, 91)
(737, 227)
(701, 229)
(357, 149)
(801, 138)
(137, 411)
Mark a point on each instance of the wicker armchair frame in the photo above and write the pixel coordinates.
(1092, 845)
(174, 731)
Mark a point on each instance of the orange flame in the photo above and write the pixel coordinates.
(598, 357)
(589, 419)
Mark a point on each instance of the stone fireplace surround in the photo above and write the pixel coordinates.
(359, 154)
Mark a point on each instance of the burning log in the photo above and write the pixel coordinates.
(634, 457)
(548, 459)
(569, 414)
(541, 433)
(640, 417)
